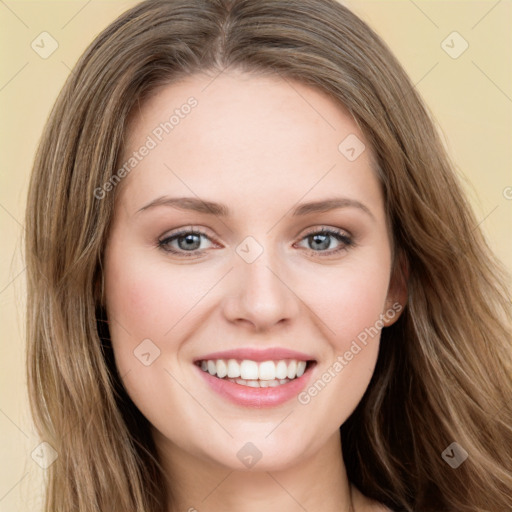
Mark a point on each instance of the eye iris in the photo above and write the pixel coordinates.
(192, 241)
(321, 239)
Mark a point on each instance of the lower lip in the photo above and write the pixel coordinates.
(257, 397)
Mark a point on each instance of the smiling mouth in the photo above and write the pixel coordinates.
(256, 374)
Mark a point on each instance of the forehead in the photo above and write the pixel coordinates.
(240, 137)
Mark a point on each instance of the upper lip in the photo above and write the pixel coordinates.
(254, 354)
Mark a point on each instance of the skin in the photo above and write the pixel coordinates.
(260, 145)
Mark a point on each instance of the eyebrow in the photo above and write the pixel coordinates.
(221, 210)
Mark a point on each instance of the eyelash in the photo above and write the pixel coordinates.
(339, 235)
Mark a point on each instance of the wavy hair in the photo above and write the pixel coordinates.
(444, 371)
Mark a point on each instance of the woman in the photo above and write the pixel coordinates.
(254, 281)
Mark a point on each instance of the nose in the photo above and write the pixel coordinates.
(260, 295)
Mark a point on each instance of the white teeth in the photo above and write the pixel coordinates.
(271, 373)
(267, 370)
(292, 368)
(301, 368)
(233, 369)
(281, 370)
(222, 369)
(260, 383)
(249, 369)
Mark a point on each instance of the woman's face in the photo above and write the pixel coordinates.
(279, 257)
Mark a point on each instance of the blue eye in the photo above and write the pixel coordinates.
(320, 241)
(188, 242)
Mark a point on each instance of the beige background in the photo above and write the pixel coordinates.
(470, 96)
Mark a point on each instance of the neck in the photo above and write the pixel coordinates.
(202, 485)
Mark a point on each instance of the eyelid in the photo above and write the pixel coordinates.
(175, 234)
(323, 228)
(341, 235)
(184, 230)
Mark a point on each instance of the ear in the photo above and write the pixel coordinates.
(397, 291)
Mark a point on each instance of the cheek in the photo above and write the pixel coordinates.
(149, 300)
(154, 308)
(149, 308)
(349, 302)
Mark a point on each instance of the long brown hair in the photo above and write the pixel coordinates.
(444, 368)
